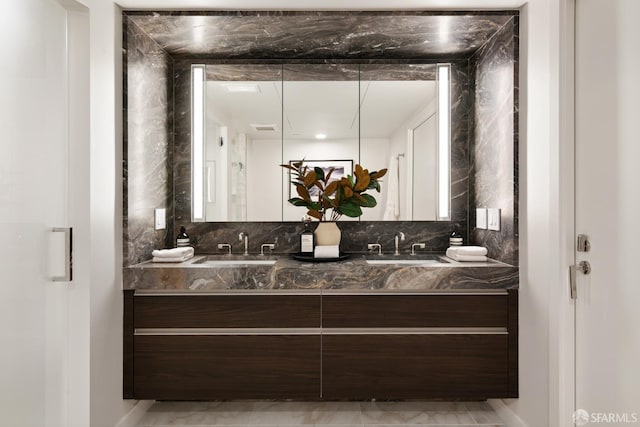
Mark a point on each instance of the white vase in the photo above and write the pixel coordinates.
(327, 234)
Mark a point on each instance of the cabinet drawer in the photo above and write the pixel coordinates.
(227, 311)
(227, 367)
(457, 366)
(407, 311)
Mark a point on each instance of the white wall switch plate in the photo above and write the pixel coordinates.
(161, 219)
(493, 219)
(481, 218)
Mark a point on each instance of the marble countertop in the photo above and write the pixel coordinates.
(287, 274)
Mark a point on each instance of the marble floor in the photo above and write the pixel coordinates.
(308, 414)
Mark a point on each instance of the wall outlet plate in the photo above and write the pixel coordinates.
(161, 219)
(493, 219)
(481, 218)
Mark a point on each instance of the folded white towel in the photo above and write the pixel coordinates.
(466, 258)
(328, 251)
(469, 250)
(469, 258)
(174, 259)
(173, 253)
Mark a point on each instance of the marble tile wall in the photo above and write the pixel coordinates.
(321, 34)
(494, 142)
(148, 144)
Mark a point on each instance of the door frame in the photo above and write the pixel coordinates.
(562, 310)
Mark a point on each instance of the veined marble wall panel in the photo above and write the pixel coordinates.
(312, 35)
(494, 163)
(148, 145)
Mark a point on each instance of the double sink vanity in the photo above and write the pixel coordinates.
(270, 327)
(217, 100)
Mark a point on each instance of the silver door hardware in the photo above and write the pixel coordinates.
(68, 254)
(583, 243)
(583, 267)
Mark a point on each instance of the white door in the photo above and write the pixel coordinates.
(608, 210)
(37, 127)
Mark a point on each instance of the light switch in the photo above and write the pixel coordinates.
(481, 218)
(493, 219)
(161, 219)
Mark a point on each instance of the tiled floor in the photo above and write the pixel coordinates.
(334, 414)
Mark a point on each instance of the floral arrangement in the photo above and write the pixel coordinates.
(333, 198)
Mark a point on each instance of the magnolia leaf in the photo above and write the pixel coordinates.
(362, 183)
(378, 174)
(346, 182)
(319, 173)
(358, 170)
(298, 164)
(328, 202)
(331, 188)
(303, 192)
(309, 179)
(350, 209)
(290, 167)
(348, 192)
(314, 213)
(370, 200)
(361, 201)
(297, 201)
(328, 175)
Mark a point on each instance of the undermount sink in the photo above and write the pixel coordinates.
(405, 259)
(226, 260)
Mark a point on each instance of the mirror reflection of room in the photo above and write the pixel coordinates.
(258, 116)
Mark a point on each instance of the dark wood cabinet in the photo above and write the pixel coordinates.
(414, 366)
(436, 346)
(404, 311)
(218, 367)
(227, 311)
(213, 347)
(312, 346)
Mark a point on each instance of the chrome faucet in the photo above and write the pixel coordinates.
(372, 246)
(417, 245)
(271, 247)
(399, 236)
(244, 236)
(223, 246)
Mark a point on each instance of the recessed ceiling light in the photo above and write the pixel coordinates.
(321, 136)
(241, 87)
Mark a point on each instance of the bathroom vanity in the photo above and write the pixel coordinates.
(275, 328)
(339, 331)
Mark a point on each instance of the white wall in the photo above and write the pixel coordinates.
(107, 405)
(264, 180)
(540, 215)
(374, 155)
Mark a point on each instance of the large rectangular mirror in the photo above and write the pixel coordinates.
(257, 116)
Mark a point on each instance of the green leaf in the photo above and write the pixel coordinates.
(297, 201)
(319, 173)
(350, 209)
(371, 201)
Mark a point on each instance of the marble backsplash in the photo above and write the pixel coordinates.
(494, 142)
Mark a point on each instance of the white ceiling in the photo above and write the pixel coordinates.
(320, 4)
(329, 107)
